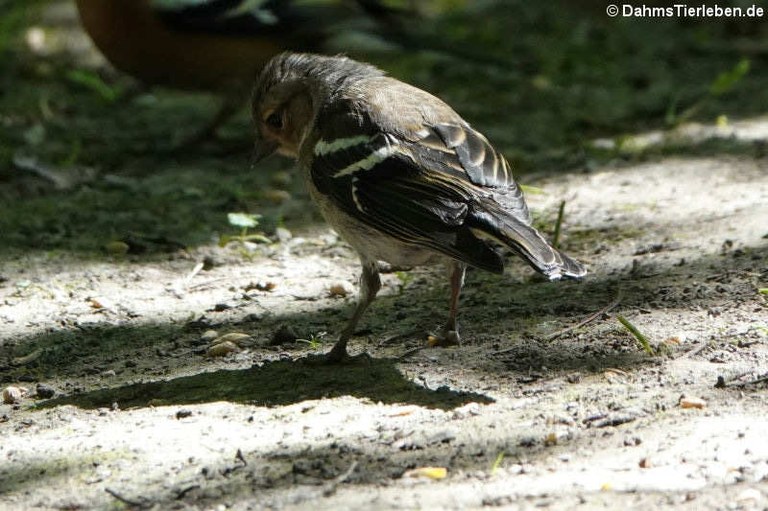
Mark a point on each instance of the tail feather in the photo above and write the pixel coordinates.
(529, 244)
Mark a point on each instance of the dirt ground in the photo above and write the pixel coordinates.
(123, 394)
(520, 418)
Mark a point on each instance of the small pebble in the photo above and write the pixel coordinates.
(45, 391)
(237, 338)
(692, 402)
(340, 290)
(284, 335)
(13, 395)
(209, 335)
(183, 413)
(282, 234)
(222, 349)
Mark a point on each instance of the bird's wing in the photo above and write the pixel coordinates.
(466, 155)
(441, 187)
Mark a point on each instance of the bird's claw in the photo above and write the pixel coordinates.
(446, 338)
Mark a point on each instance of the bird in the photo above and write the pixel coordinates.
(216, 46)
(398, 174)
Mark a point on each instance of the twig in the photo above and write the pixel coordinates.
(762, 379)
(586, 320)
(410, 352)
(721, 383)
(330, 487)
(183, 492)
(401, 335)
(695, 351)
(193, 273)
(124, 500)
(558, 223)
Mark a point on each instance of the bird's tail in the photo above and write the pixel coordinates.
(528, 243)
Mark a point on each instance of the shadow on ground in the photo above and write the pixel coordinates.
(280, 383)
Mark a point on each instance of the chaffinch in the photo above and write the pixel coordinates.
(214, 45)
(398, 174)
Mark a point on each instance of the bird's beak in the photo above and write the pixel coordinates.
(263, 148)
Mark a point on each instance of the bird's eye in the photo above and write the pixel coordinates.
(275, 120)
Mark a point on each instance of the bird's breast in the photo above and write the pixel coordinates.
(368, 241)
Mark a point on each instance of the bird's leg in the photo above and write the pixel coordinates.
(370, 283)
(450, 334)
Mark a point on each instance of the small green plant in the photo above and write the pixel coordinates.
(642, 339)
(722, 84)
(405, 278)
(532, 190)
(244, 221)
(315, 341)
(497, 462)
(558, 225)
(94, 83)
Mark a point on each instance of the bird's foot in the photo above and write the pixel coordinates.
(334, 359)
(444, 339)
(339, 355)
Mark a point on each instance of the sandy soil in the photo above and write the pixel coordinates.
(143, 418)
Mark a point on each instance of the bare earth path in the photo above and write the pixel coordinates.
(587, 420)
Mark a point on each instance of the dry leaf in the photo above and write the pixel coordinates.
(435, 473)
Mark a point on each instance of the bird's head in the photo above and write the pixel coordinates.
(289, 93)
(282, 108)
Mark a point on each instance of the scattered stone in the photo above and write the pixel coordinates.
(237, 338)
(339, 290)
(692, 402)
(45, 391)
(632, 441)
(467, 410)
(261, 286)
(209, 335)
(222, 349)
(14, 395)
(283, 335)
(183, 413)
(282, 234)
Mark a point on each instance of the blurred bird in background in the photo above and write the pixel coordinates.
(219, 46)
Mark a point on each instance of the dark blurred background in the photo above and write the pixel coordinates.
(155, 154)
